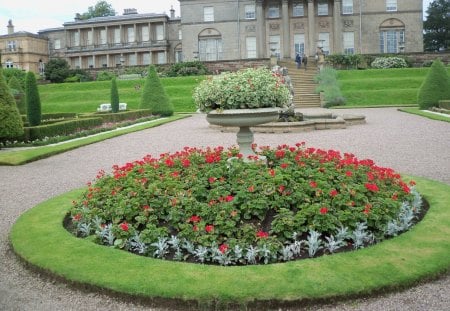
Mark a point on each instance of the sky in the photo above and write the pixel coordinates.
(35, 15)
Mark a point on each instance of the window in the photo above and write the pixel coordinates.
(391, 5)
(159, 32)
(41, 67)
(349, 42)
(347, 7)
(180, 35)
(90, 62)
(9, 64)
(178, 56)
(275, 46)
(250, 12)
(299, 43)
(392, 41)
(208, 14)
(324, 42)
(103, 36)
(76, 38)
(11, 46)
(104, 61)
(90, 38)
(161, 57)
(210, 49)
(117, 35)
(250, 43)
(57, 44)
(132, 60)
(146, 59)
(145, 34)
(76, 63)
(322, 8)
(274, 11)
(298, 9)
(130, 34)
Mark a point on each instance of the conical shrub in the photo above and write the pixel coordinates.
(18, 93)
(11, 125)
(114, 96)
(32, 100)
(435, 87)
(154, 96)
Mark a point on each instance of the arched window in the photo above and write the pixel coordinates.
(392, 36)
(210, 45)
(179, 53)
(9, 64)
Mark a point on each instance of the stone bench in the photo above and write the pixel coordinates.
(107, 107)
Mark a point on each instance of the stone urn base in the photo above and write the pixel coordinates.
(244, 119)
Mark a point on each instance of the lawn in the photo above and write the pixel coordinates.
(382, 87)
(87, 96)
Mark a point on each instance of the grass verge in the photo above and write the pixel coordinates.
(421, 253)
(426, 114)
(19, 157)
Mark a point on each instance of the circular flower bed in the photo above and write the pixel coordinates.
(211, 206)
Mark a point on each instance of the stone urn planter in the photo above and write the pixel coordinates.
(244, 119)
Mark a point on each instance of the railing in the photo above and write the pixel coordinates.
(117, 46)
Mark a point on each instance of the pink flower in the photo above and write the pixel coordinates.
(223, 248)
(229, 198)
(77, 217)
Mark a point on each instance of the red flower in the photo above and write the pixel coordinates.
(223, 248)
(280, 154)
(209, 228)
(229, 198)
(284, 165)
(333, 192)
(261, 234)
(349, 173)
(195, 228)
(212, 179)
(124, 226)
(146, 207)
(175, 174)
(186, 163)
(195, 218)
(169, 162)
(371, 187)
(313, 184)
(281, 188)
(323, 210)
(77, 217)
(272, 172)
(251, 188)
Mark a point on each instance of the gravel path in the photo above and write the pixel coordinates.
(407, 143)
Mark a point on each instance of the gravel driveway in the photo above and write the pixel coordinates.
(407, 143)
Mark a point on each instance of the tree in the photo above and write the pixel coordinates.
(114, 96)
(57, 70)
(435, 87)
(101, 8)
(11, 125)
(437, 26)
(154, 96)
(18, 93)
(33, 100)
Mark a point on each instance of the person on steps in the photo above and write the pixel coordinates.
(305, 60)
(298, 60)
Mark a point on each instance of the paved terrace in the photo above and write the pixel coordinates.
(407, 143)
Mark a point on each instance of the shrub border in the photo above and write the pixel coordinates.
(39, 238)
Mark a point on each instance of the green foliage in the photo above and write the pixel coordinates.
(11, 125)
(344, 61)
(57, 70)
(105, 76)
(114, 96)
(18, 93)
(78, 75)
(33, 101)
(328, 84)
(193, 68)
(437, 26)
(8, 73)
(101, 8)
(154, 96)
(389, 62)
(435, 87)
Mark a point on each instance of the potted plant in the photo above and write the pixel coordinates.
(244, 98)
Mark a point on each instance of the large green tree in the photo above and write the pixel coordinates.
(435, 87)
(154, 96)
(114, 96)
(57, 70)
(18, 93)
(11, 125)
(33, 100)
(101, 8)
(437, 26)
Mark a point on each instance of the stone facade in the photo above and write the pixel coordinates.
(23, 50)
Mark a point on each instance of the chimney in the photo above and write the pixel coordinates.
(129, 11)
(77, 17)
(172, 12)
(10, 27)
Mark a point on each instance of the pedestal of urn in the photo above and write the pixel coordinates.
(244, 119)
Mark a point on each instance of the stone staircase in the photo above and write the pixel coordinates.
(303, 83)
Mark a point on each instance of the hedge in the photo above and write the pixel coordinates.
(119, 116)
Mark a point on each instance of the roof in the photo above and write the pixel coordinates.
(22, 34)
(117, 18)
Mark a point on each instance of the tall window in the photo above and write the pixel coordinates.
(117, 35)
(76, 38)
(103, 37)
(322, 8)
(275, 46)
(324, 39)
(180, 34)
(208, 14)
(299, 43)
(104, 61)
(391, 5)
(347, 6)
(146, 59)
(145, 33)
(90, 61)
(130, 34)
(349, 42)
(274, 10)
(159, 31)
(298, 9)
(57, 44)
(210, 49)
(90, 38)
(250, 11)
(250, 43)
(392, 41)
(11, 46)
(132, 60)
(161, 58)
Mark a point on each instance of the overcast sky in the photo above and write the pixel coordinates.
(34, 15)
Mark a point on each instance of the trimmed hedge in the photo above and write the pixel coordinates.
(435, 87)
(119, 116)
(62, 128)
(154, 96)
(32, 100)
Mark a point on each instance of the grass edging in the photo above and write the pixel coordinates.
(19, 157)
(39, 238)
(425, 114)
